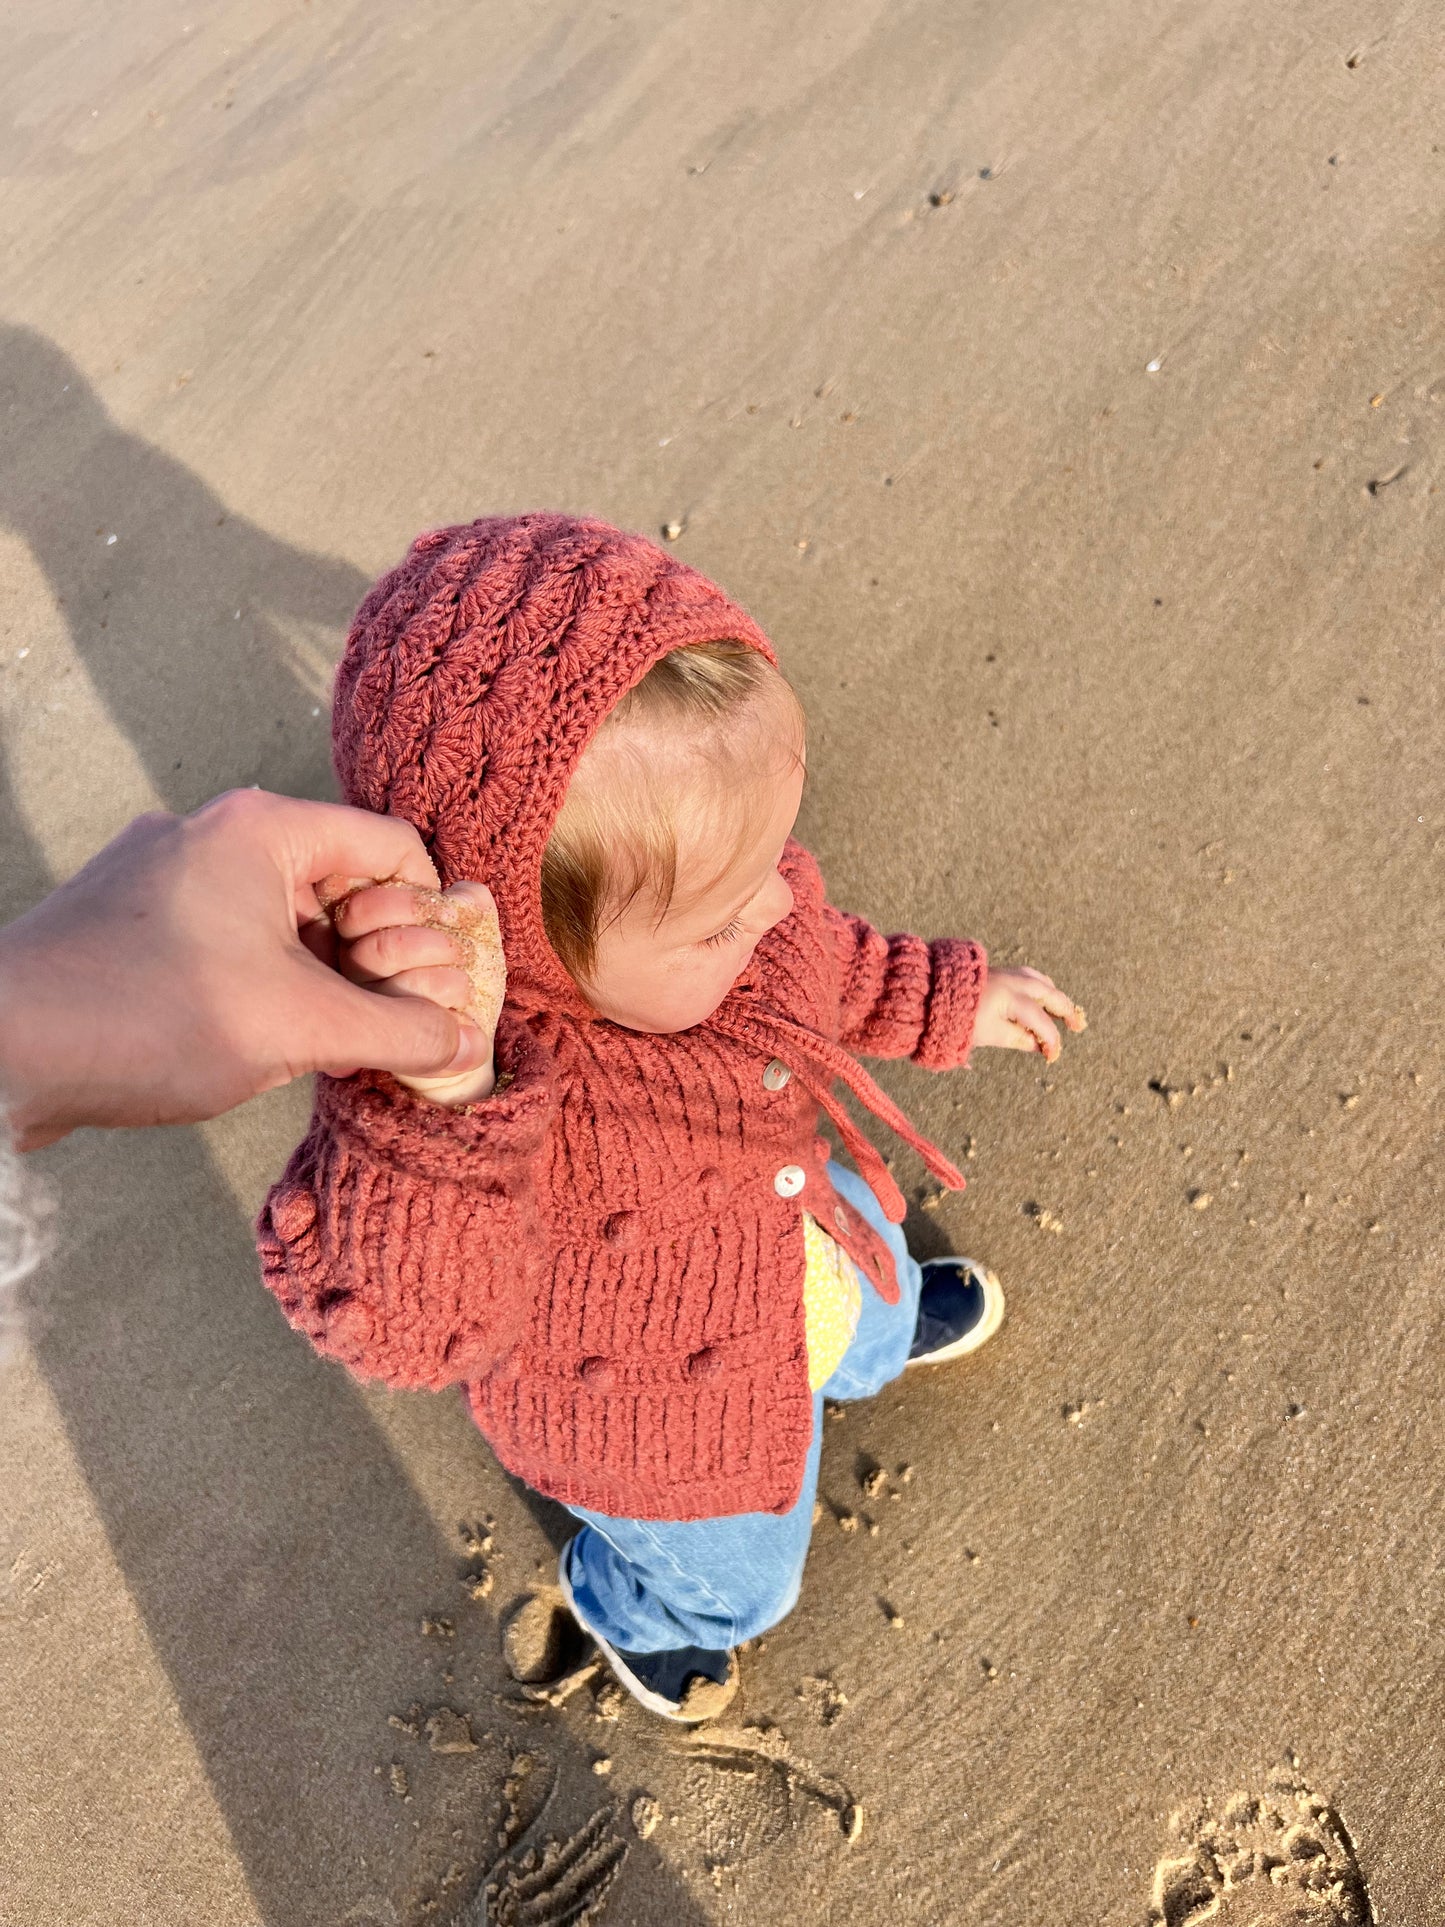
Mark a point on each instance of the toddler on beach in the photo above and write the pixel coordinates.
(619, 1229)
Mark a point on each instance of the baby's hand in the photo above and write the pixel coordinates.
(444, 945)
(1017, 1009)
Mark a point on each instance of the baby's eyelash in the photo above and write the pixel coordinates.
(729, 935)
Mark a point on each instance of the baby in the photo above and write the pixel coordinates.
(619, 1229)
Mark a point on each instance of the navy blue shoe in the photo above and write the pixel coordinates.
(959, 1309)
(691, 1684)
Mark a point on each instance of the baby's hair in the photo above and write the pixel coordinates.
(608, 848)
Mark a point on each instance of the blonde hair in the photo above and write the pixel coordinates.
(613, 843)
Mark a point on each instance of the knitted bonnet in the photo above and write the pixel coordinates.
(475, 674)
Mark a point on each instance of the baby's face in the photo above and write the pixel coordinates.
(667, 973)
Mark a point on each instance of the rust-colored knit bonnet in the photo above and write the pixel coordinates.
(474, 676)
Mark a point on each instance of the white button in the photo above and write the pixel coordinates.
(776, 1075)
(790, 1180)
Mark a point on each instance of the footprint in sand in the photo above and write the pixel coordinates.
(748, 1788)
(562, 1884)
(1279, 1859)
(557, 1883)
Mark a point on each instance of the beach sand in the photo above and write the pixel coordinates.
(1063, 389)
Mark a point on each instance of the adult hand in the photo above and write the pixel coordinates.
(188, 967)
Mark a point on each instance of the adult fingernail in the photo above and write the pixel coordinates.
(472, 1050)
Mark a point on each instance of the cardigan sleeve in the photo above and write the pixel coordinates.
(906, 996)
(401, 1238)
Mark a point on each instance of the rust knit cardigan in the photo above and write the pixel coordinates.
(607, 1253)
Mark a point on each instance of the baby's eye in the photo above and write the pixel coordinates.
(728, 935)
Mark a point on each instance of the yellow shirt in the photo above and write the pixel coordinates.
(832, 1302)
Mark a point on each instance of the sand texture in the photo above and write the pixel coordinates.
(1064, 389)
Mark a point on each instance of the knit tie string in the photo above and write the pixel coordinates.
(818, 1061)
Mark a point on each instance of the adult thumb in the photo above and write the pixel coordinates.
(409, 1036)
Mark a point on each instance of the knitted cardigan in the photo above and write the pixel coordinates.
(608, 1252)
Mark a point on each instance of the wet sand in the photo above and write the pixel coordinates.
(1064, 392)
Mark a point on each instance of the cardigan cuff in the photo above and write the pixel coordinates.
(959, 971)
(387, 1124)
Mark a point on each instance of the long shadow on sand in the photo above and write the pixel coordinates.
(186, 622)
(268, 1533)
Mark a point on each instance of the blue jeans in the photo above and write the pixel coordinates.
(651, 1585)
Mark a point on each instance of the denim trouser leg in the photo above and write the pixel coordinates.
(652, 1585)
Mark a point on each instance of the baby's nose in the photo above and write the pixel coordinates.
(779, 901)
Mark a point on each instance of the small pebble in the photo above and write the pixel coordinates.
(646, 1815)
(851, 1820)
(672, 530)
(602, 1766)
(1201, 1200)
(847, 1522)
(449, 1732)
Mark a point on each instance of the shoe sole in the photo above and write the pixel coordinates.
(982, 1332)
(654, 1702)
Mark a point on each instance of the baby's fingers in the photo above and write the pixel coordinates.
(447, 985)
(394, 948)
(1064, 1008)
(1036, 1032)
(377, 906)
(1055, 1001)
